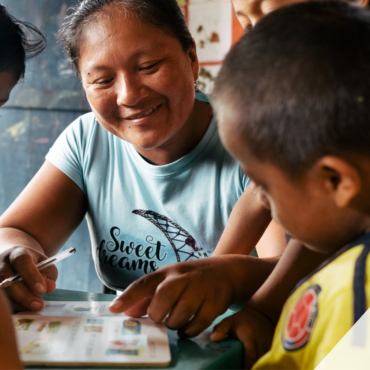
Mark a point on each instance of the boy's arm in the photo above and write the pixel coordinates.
(9, 358)
(250, 226)
(295, 264)
(254, 324)
(194, 293)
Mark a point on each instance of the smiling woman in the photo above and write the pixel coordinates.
(138, 64)
(146, 166)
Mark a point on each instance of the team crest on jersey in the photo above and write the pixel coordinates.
(301, 319)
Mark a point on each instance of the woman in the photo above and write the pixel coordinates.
(15, 48)
(146, 166)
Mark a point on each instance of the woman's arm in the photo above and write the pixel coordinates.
(249, 227)
(35, 226)
(9, 358)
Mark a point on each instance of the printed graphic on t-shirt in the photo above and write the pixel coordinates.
(179, 238)
(301, 319)
(120, 251)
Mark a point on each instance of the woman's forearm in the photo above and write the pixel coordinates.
(12, 237)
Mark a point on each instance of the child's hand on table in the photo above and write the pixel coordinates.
(22, 261)
(252, 328)
(192, 294)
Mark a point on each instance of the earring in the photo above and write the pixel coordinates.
(196, 85)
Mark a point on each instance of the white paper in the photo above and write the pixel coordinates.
(74, 308)
(83, 333)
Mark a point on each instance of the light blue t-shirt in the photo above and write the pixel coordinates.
(141, 216)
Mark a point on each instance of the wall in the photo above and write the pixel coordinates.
(215, 29)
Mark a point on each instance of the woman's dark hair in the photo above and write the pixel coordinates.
(164, 14)
(15, 46)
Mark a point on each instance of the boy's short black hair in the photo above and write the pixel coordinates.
(299, 84)
(18, 42)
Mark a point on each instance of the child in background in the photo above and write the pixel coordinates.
(298, 121)
(15, 48)
(250, 12)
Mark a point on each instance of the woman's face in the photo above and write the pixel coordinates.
(138, 80)
(7, 82)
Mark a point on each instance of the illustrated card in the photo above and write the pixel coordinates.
(89, 338)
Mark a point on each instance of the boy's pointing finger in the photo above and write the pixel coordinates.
(142, 288)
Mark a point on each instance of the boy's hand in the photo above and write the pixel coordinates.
(22, 261)
(192, 294)
(252, 328)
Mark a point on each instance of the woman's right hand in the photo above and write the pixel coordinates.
(24, 295)
(37, 225)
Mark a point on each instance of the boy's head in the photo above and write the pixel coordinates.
(15, 48)
(293, 104)
(249, 12)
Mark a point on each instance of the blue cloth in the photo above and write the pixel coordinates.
(142, 216)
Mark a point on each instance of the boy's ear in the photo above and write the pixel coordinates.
(361, 3)
(341, 179)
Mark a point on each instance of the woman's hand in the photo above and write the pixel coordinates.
(194, 293)
(252, 328)
(36, 225)
(22, 261)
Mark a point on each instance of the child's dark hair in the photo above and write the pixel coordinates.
(299, 84)
(164, 14)
(15, 46)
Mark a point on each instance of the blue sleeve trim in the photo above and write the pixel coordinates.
(359, 283)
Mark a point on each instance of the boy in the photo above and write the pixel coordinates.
(298, 121)
(9, 358)
(250, 12)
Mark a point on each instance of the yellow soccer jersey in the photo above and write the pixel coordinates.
(321, 310)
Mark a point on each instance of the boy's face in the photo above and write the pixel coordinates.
(7, 83)
(306, 208)
(249, 12)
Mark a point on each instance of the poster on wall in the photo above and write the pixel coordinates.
(215, 29)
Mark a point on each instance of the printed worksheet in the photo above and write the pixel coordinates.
(87, 334)
(74, 308)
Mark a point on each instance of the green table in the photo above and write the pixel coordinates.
(187, 354)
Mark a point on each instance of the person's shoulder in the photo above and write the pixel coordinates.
(339, 271)
(84, 128)
(84, 122)
(342, 279)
